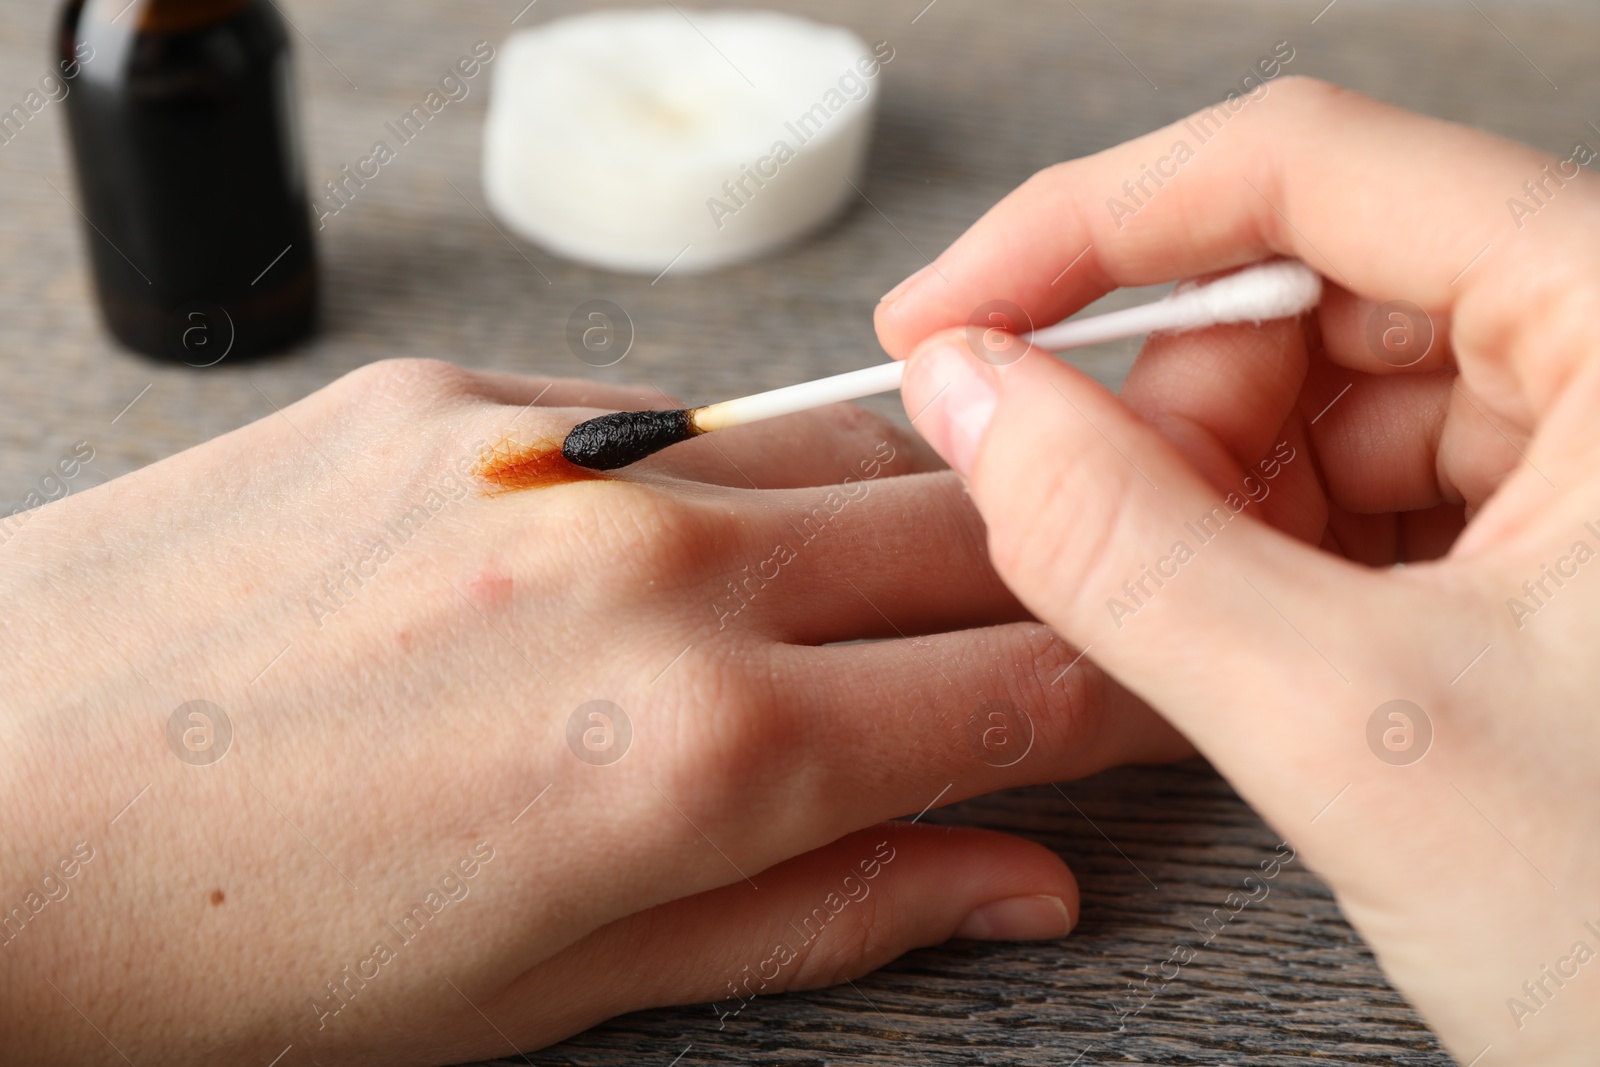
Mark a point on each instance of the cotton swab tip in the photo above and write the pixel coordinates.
(1281, 289)
(610, 441)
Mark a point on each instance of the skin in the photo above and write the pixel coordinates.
(1471, 868)
(416, 739)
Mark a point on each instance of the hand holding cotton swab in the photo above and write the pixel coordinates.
(1276, 290)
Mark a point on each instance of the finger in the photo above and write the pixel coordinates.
(1122, 545)
(877, 557)
(819, 919)
(1288, 174)
(1377, 441)
(1241, 401)
(893, 723)
(1398, 443)
(1224, 396)
(1220, 395)
(1478, 448)
(1382, 337)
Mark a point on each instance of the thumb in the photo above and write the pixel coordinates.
(1102, 528)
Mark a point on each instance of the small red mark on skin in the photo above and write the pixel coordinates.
(490, 589)
(512, 465)
(216, 897)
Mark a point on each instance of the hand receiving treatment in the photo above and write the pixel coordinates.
(1223, 538)
(371, 733)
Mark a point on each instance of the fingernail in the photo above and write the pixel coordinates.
(1017, 919)
(951, 400)
(900, 290)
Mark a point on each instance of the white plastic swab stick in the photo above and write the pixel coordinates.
(851, 385)
(1277, 290)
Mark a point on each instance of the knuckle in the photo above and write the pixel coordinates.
(1068, 689)
(733, 743)
(1069, 186)
(1295, 97)
(1052, 175)
(1059, 693)
(1303, 89)
(645, 535)
(1041, 659)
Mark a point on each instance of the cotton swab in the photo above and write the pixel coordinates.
(1277, 290)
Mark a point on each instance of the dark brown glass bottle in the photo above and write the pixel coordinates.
(184, 131)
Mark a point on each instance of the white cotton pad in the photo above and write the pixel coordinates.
(641, 139)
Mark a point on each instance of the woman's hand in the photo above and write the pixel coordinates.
(1221, 538)
(311, 740)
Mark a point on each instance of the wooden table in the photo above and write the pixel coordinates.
(980, 94)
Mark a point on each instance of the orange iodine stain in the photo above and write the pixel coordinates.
(511, 466)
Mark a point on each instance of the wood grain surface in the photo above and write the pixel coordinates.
(981, 93)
